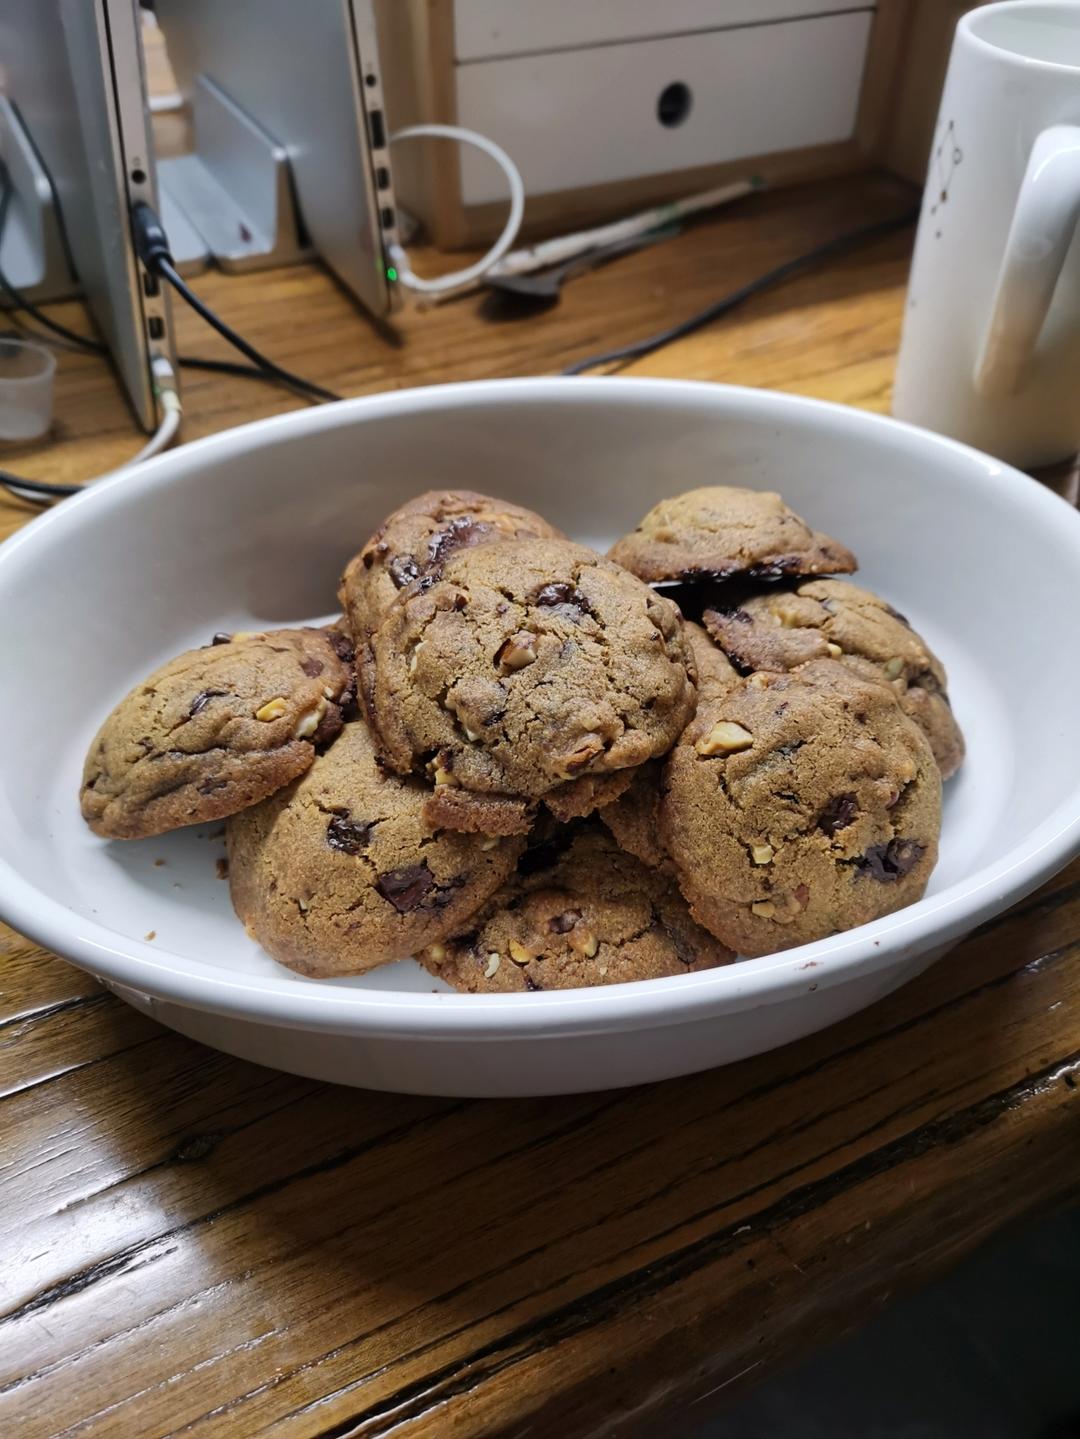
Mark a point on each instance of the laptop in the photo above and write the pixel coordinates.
(73, 69)
(306, 72)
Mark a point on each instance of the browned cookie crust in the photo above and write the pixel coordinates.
(215, 730)
(526, 665)
(447, 807)
(591, 794)
(715, 672)
(416, 540)
(823, 618)
(588, 915)
(798, 805)
(634, 817)
(339, 873)
(722, 531)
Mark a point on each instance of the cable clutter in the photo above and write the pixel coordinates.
(153, 248)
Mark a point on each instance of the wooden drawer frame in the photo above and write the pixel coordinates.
(902, 78)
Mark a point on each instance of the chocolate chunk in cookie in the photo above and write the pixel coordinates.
(799, 805)
(528, 664)
(721, 531)
(215, 730)
(414, 543)
(829, 618)
(340, 872)
(591, 916)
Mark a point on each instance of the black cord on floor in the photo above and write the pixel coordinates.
(262, 369)
(233, 367)
(723, 306)
(35, 492)
(154, 253)
(40, 492)
(43, 493)
(168, 272)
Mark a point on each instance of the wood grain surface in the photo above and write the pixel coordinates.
(196, 1246)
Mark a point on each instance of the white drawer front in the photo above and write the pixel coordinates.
(484, 29)
(584, 117)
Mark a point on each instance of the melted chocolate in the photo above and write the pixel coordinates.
(202, 699)
(348, 836)
(889, 862)
(406, 888)
(838, 813)
(563, 595)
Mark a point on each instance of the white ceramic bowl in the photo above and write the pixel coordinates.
(251, 528)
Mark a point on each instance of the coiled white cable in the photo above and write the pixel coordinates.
(445, 283)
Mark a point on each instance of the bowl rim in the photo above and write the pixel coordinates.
(291, 1002)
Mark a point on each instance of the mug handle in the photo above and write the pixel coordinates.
(1046, 215)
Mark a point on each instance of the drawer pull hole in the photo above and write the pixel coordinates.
(674, 104)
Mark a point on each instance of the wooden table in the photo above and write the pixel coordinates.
(197, 1246)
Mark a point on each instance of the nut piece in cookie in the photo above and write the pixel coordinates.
(583, 914)
(722, 531)
(215, 730)
(340, 873)
(527, 665)
(832, 619)
(799, 805)
(414, 542)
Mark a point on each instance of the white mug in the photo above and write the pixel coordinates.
(990, 352)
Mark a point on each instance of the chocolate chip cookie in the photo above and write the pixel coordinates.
(448, 807)
(415, 541)
(339, 873)
(822, 618)
(722, 531)
(634, 816)
(215, 730)
(798, 805)
(715, 672)
(585, 914)
(588, 795)
(525, 666)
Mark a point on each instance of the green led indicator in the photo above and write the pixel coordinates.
(391, 273)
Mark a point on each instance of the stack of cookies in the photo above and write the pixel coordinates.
(528, 765)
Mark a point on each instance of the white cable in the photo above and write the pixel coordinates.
(446, 283)
(168, 398)
(567, 247)
(163, 436)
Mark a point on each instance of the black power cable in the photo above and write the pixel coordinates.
(153, 246)
(261, 370)
(32, 489)
(724, 306)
